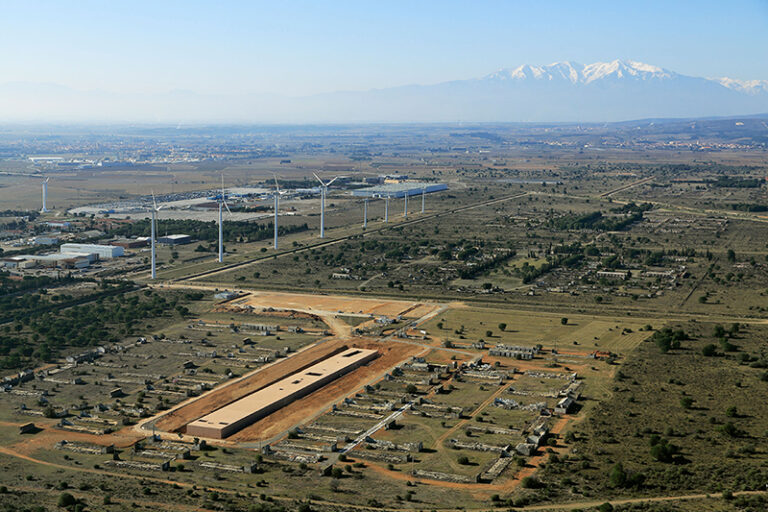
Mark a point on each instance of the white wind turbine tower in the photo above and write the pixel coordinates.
(423, 195)
(323, 192)
(405, 208)
(386, 208)
(365, 213)
(45, 195)
(155, 209)
(278, 193)
(222, 202)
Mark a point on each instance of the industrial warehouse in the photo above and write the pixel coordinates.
(226, 421)
(399, 190)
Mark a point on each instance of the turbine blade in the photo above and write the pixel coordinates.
(329, 183)
(154, 202)
(318, 179)
(227, 207)
(277, 185)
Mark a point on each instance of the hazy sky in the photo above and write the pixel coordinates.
(302, 47)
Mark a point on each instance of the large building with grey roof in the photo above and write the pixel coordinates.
(397, 190)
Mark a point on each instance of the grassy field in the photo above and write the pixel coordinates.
(531, 328)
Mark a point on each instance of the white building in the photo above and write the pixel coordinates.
(104, 252)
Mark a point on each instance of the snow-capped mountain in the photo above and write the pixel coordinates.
(747, 86)
(576, 73)
(563, 91)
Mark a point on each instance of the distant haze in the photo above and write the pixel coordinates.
(565, 91)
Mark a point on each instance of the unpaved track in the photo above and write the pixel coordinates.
(625, 187)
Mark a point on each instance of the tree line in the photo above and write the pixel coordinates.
(234, 231)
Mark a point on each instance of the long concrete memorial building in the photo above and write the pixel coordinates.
(237, 415)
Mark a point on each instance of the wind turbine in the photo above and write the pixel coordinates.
(278, 193)
(222, 202)
(323, 191)
(45, 195)
(155, 209)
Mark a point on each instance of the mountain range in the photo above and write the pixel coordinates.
(559, 92)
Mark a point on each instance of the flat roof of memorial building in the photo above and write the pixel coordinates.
(238, 414)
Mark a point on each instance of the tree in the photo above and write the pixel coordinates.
(731, 412)
(668, 338)
(686, 402)
(663, 450)
(617, 477)
(730, 430)
(463, 460)
(731, 255)
(502, 327)
(411, 389)
(530, 482)
(66, 500)
(488, 334)
(709, 350)
(564, 321)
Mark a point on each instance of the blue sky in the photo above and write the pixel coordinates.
(302, 47)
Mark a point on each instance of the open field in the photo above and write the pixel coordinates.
(323, 304)
(580, 333)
